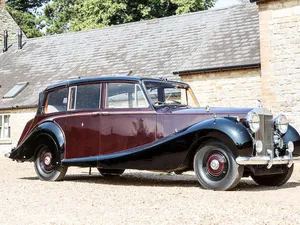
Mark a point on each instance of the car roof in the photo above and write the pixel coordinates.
(106, 78)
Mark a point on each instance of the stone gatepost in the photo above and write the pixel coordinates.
(279, 22)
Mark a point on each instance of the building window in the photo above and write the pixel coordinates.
(16, 90)
(4, 126)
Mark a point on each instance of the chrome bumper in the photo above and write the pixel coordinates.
(7, 155)
(268, 160)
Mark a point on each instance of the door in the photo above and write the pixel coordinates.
(83, 121)
(127, 120)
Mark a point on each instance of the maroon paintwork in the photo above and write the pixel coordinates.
(104, 131)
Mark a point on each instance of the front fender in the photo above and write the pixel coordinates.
(25, 151)
(227, 130)
(293, 135)
(219, 127)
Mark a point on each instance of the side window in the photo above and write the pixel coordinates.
(57, 101)
(85, 97)
(125, 95)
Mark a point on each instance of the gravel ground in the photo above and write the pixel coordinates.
(139, 198)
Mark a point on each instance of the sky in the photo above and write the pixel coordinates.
(225, 3)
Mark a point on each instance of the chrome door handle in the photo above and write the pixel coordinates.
(96, 114)
(105, 113)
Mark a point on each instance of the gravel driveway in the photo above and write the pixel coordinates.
(139, 198)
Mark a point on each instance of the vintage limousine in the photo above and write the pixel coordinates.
(118, 123)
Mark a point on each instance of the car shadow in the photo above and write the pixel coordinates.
(132, 179)
(250, 186)
(138, 179)
(162, 180)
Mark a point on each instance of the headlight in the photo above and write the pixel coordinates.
(253, 121)
(281, 124)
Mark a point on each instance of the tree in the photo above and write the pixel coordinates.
(75, 15)
(25, 13)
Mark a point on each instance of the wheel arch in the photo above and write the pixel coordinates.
(231, 133)
(46, 131)
(293, 135)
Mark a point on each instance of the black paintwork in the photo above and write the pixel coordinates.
(104, 79)
(293, 135)
(41, 103)
(49, 130)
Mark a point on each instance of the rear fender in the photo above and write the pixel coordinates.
(49, 131)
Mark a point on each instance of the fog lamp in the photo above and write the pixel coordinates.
(258, 146)
(290, 148)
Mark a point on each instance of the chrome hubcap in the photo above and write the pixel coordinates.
(214, 164)
(47, 160)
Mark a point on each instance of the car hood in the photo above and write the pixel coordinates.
(241, 112)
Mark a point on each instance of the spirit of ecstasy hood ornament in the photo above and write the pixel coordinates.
(259, 103)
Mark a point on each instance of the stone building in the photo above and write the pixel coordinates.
(7, 23)
(231, 57)
(277, 80)
(153, 48)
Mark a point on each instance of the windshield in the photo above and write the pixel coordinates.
(170, 94)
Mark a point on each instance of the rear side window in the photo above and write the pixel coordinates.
(84, 97)
(57, 101)
(125, 95)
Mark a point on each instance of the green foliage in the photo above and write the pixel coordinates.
(26, 21)
(75, 15)
(61, 16)
(24, 13)
(25, 5)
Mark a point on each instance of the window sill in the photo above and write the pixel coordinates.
(5, 141)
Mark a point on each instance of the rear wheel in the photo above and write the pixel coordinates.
(111, 172)
(45, 165)
(274, 180)
(215, 167)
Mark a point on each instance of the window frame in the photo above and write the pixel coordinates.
(45, 105)
(105, 97)
(2, 126)
(188, 91)
(76, 88)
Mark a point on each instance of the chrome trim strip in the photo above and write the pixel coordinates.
(266, 160)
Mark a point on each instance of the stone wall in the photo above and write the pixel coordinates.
(18, 120)
(236, 88)
(280, 57)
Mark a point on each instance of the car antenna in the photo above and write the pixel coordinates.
(129, 73)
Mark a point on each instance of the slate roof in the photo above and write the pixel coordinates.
(152, 48)
(8, 23)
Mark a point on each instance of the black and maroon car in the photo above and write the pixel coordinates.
(118, 123)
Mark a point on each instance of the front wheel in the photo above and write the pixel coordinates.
(274, 180)
(215, 167)
(111, 172)
(45, 165)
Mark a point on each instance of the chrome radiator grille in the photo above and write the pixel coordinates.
(265, 133)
